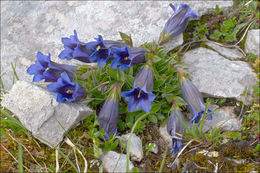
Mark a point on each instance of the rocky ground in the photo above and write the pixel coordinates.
(225, 72)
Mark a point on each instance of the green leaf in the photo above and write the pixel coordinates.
(158, 83)
(152, 118)
(253, 5)
(129, 120)
(257, 148)
(231, 37)
(121, 125)
(155, 108)
(112, 73)
(216, 35)
(126, 39)
(218, 10)
(135, 170)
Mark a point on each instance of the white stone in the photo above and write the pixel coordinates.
(225, 119)
(39, 112)
(231, 54)
(136, 148)
(166, 137)
(115, 162)
(252, 44)
(217, 76)
(31, 26)
(155, 148)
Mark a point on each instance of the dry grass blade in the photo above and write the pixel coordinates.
(57, 160)
(74, 147)
(14, 157)
(215, 165)
(199, 167)
(76, 157)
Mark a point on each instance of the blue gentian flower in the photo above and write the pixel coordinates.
(74, 49)
(100, 50)
(174, 127)
(45, 69)
(66, 90)
(179, 19)
(108, 117)
(141, 95)
(178, 22)
(109, 114)
(194, 98)
(126, 57)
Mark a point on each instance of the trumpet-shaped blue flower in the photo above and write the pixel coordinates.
(174, 127)
(108, 117)
(141, 95)
(177, 23)
(66, 90)
(126, 57)
(74, 49)
(179, 19)
(45, 69)
(100, 50)
(194, 98)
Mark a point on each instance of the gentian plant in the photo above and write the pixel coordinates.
(177, 22)
(194, 99)
(174, 127)
(146, 74)
(109, 114)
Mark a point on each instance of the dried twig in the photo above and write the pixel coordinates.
(254, 142)
(189, 43)
(228, 46)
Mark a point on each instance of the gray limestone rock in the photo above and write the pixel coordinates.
(231, 54)
(39, 112)
(115, 162)
(31, 26)
(136, 148)
(252, 44)
(225, 119)
(166, 137)
(217, 76)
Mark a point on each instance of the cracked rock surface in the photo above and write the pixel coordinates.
(216, 76)
(231, 54)
(39, 112)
